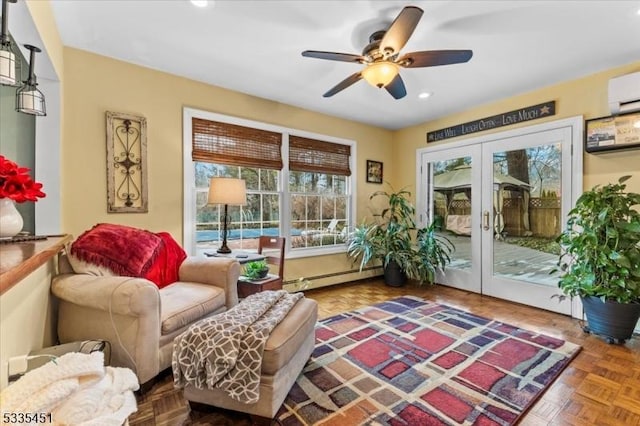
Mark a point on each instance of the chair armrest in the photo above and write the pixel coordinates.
(220, 272)
(116, 294)
(124, 311)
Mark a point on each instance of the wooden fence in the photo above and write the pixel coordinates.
(544, 215)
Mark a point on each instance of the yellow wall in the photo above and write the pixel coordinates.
(585, 96)
(27, 316)
(96, 84)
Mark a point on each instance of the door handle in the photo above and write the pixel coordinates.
(485, 220)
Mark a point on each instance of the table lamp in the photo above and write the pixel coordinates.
(227, 191)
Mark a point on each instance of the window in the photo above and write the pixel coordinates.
(298, 185)
(319, 209)
(260, 216)
(318, 191)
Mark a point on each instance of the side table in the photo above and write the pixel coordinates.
(247, 287)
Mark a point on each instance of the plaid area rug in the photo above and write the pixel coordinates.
(408, 361)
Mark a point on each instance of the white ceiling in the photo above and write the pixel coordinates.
(255, 47)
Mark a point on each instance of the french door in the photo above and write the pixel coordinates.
(502, 200)
(453, 198)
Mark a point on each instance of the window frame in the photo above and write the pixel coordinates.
(189, 186)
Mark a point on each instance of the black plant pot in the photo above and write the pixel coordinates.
(393, 275)
(611, 320)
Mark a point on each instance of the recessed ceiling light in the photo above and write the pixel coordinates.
(200, 3)
(424, 95)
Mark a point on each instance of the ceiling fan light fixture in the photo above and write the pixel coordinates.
(380, 74)
(381, 57)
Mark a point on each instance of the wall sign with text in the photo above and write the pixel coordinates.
(533, 112)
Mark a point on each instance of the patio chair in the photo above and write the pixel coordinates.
(329, 230)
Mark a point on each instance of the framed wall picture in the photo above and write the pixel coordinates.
(374, 171)
(613, 133)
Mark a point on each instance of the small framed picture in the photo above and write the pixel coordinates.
(374, 171)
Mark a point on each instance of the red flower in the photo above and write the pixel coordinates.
(16, 184)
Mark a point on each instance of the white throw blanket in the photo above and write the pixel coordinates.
(76, 389)
(225, 351)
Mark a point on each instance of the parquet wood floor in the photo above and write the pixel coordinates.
(600, 387)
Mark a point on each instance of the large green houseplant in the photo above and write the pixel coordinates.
(601, 259)
(393, 239)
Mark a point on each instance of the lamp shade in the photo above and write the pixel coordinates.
(7, 57)
(7, 66)
(227, 191)
(380, 74)
(30, 100)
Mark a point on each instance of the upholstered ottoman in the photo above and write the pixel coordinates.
(286, 352)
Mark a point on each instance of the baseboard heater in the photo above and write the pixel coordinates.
(332, 275)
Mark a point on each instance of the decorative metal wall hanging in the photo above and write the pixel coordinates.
(126, 163)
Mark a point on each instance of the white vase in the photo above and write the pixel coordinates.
(10, 218)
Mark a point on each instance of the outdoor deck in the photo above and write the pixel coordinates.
(511, 261)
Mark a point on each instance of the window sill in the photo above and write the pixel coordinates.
(316, 251)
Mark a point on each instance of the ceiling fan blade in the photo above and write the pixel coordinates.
(333, 56)
(353, 78)
(396, 87)
(400, 30)
(434, 58)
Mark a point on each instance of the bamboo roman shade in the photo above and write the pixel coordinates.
(311, 155)
(230, 144)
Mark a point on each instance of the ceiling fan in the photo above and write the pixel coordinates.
(382, 59)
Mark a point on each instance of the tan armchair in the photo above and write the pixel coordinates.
(138, 319)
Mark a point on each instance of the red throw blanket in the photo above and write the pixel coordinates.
(164, 269)
(131, 252)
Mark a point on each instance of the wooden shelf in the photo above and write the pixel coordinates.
(18, 260)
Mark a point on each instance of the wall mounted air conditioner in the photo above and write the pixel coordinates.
(624, 93)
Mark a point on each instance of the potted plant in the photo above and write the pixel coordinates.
(16, 186)
(601, 259)
(404, 251)
(256, 270)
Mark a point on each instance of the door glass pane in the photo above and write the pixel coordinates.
(450, 205)
(527, 199)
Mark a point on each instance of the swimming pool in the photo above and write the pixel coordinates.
(235, 234)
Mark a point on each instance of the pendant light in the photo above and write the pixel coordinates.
(7, 57)
(29, 99)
